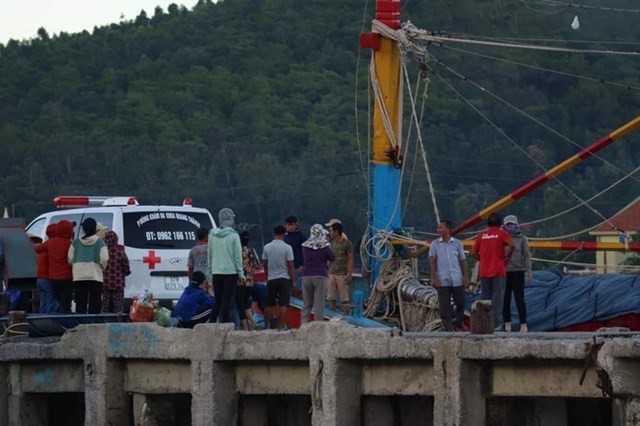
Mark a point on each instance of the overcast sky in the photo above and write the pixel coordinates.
(20, 19)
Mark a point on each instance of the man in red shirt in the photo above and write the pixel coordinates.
(493, 249)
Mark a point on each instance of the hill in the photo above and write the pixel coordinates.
(251, 104)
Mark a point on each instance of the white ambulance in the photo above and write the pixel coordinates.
(157, 239)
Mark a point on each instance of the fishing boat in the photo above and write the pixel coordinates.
(396, 294)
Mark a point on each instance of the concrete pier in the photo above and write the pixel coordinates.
(325, 374)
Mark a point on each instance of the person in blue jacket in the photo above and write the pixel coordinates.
(196, 301)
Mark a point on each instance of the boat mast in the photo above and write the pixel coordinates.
(386, 161)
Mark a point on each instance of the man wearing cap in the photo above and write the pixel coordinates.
(295, 238)
(341, 269)
(334, 221)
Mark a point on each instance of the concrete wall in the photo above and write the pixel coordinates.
(323, 374)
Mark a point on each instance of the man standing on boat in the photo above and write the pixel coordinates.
(341, 269)
(449, 275)
(295, 238)
(518, 269)
(278, 261)
(493, 249)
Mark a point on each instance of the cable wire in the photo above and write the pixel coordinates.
(527, 115)
(566, 5)
(539, 68)
(504, 134)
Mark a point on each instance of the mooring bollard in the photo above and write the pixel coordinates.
(17, 324)
(482, 317)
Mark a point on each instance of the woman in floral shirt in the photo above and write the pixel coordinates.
(250, 263)
(117, 268)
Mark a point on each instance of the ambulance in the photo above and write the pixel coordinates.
(156, 239)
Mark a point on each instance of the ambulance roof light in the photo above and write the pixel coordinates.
(66, 201)
(78, 201)
(187, 202)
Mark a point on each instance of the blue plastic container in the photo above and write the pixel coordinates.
(358, 300)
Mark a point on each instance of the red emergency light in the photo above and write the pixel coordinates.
(66, 201)
(187, 202)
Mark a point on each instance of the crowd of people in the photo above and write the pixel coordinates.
(505, 263)
(89, 270)
(223, 270)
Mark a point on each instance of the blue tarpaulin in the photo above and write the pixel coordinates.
(555, 300)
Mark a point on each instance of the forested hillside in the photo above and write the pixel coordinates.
(251, 104)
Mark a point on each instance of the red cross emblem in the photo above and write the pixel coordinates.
(151, 259)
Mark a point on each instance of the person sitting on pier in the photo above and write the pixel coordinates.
(195, 303)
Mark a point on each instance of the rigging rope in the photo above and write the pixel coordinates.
(535, 67)
(504, 134)
(355, 103)
(415, 153)
(550, 40)
(565, 5)
(527, 115)
(420, 143)
(533, 222)
(379, 98)
(411, 39)
(439, 39)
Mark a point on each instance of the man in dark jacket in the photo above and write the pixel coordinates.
(194, 306)
(295, 238)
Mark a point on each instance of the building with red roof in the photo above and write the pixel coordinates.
(623, 225)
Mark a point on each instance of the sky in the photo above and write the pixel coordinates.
(20, 19)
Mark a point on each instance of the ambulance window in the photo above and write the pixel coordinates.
(163, 229)
(104, 219)
(75, 218)
(36, 228)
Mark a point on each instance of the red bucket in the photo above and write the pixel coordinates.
(259, 276)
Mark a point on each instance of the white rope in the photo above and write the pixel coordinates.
(425, 38)
(379, 98)
(411, 39)
(405, 39)
(10, 333)
(550, 70)
(546, 40)
(420, 142)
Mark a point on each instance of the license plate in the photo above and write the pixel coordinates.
(175, 283)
